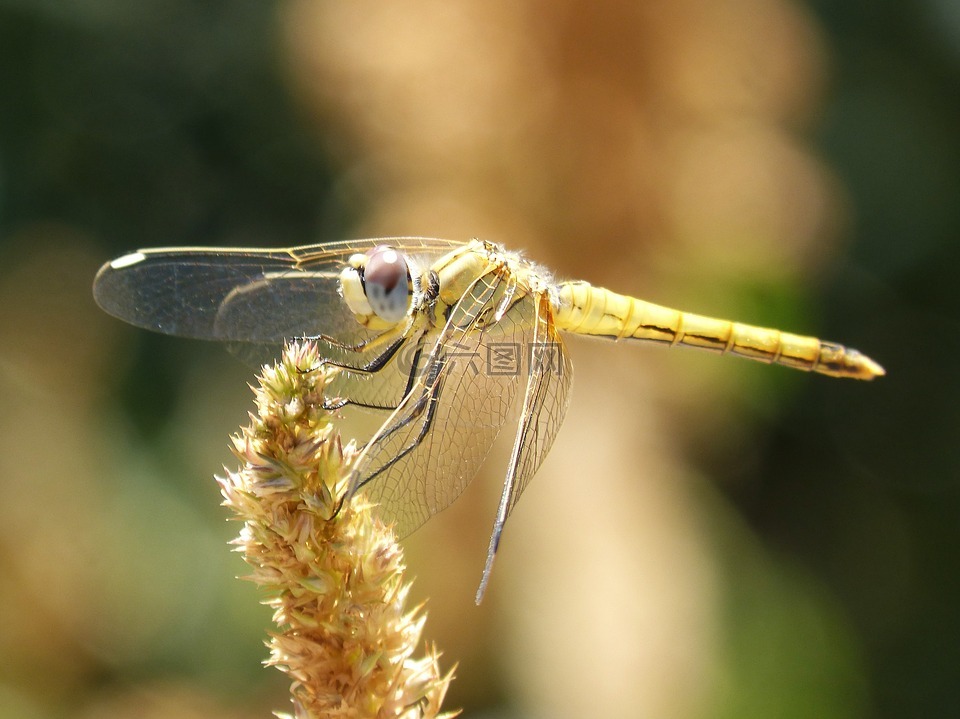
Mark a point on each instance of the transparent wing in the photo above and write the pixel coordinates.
(431, 447)
(544, 406)
(243, 295)
(545, 403)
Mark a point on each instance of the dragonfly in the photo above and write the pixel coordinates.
(446, 339)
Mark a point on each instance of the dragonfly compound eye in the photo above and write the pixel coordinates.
(386, 283)
(377, 287)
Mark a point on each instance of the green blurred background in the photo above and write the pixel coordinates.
(708, 539)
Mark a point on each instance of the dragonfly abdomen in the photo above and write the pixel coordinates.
(588, 310)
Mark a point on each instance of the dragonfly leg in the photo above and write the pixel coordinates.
(343, 499)
(383, 382)
(423, 406)
(426, 401)
(367, 357)
(362, 362)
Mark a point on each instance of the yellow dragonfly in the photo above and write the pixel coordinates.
(441, 337)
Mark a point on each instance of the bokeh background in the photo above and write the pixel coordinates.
(708, 539)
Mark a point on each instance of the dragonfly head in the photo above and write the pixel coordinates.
(378, 287)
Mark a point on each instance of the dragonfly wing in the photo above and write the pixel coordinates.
(288, 303)
(218, 294)
(431, 447)
(243, 295)
(545, 403)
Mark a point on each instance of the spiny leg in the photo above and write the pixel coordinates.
(426, 403)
